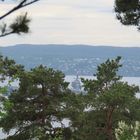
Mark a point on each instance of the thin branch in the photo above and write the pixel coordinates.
(19, 6)
(5, 34)
(29, 3)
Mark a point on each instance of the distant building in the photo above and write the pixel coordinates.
(76, 85)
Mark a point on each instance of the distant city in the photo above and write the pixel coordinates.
(74, 59)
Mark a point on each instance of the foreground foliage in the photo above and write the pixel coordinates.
(36, 104)
(43, 101)
(108, 101)
(127, 132)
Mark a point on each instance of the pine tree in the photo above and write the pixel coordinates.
(36, 105)
(128, 12)
(108, 100)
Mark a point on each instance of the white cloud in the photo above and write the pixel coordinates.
(75, 22)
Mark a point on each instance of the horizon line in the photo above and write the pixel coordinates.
(68, 45)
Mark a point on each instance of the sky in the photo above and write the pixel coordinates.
(90, 22)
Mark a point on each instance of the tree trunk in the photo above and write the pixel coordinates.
(109, 130)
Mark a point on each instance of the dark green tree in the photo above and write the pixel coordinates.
(9, 68)
(9, 71)
(128, 12)
(75, 106)
(36, 105)
(108, 101)
(20, 24)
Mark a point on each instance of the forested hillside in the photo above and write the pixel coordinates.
(74, 58)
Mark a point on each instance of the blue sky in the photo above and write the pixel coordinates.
(89, 22)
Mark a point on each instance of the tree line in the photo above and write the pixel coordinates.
(43, 99)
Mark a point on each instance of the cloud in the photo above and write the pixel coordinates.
(75, 22)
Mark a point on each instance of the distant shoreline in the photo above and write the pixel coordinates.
(71, 59)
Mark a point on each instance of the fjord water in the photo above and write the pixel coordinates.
(130, 80)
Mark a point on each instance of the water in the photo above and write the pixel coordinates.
(130, 80)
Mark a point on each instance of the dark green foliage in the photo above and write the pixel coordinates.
(43, 98)
(128, 12)
(9, 70)
(106, 76)
(109, 100)
(8, 67)
(20, 25)
(36, 104)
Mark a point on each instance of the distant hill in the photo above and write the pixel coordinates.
(74, 58)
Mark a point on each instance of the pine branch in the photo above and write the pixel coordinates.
(3, 35)
(22, 4)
